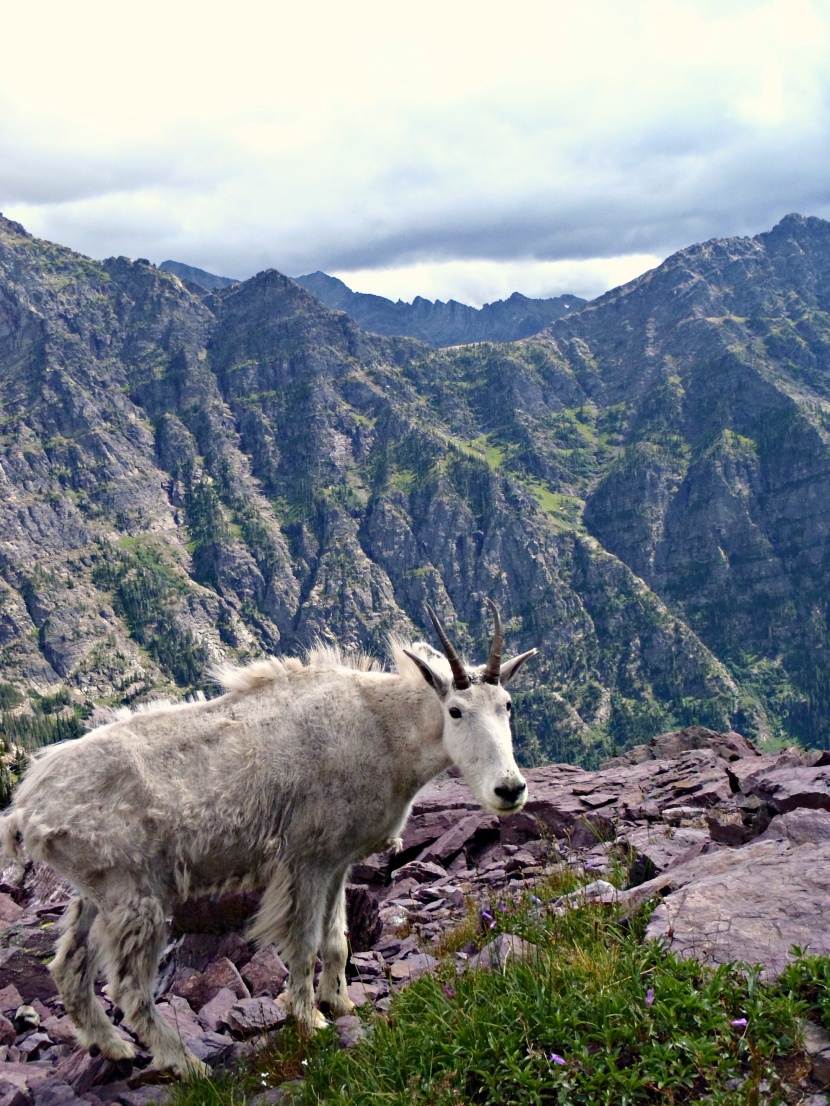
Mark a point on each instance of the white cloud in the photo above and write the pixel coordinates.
(479, 282)
(449, 142)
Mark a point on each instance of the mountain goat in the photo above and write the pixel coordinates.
(283, 782)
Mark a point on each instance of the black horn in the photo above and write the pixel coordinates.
(493, 669)
(460, 679)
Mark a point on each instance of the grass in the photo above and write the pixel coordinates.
(594, 1016)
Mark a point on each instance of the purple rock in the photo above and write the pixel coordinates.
(53, 1094)
(200, 989)
(81, 1071)
(213, 1013)
(265, 973)
(10, 999)
(26, 971)
(255, 1015)
(506, 947)
(364, 921)
(350, 1031)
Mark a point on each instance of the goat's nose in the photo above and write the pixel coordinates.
(511, 794)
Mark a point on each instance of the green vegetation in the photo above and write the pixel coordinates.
(51, 718)
(594, 1015)
(9, 696)
(143, 588)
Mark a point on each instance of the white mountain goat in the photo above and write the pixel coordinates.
(283, 782)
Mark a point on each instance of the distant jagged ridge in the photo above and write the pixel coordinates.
(433, 321)
(439, 323)
(209, 281)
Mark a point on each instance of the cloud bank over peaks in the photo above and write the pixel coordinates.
(559, 148)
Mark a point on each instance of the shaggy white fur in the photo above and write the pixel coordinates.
(283, 782)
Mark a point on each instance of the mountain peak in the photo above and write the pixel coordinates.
(9, 226)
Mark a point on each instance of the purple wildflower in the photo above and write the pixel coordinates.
(487, 917)
(556, 1059)
(650, 996)
(492, 924)
(534, 899)
(740, 1023)
(449, 992)
(502, 907)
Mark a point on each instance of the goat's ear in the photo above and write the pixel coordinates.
(509, 668)
(433, 678)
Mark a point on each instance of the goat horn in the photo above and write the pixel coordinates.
(460, 679)
(493, 669)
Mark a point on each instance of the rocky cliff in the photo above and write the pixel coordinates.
(190, 475)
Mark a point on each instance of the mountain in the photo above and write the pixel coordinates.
(201, 277)
(438, 323)
(642, 488)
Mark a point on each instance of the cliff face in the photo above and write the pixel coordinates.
(719, 499)
(190, 475)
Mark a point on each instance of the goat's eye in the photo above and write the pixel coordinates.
(455, 712)
(508, 706)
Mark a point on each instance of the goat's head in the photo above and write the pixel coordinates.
(477, 719)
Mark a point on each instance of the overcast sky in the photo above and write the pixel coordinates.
(447, 149)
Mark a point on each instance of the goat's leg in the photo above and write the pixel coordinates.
(291, 916)
(334, 950)
(135, 931)
(73, 970)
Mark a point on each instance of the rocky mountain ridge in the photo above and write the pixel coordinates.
(190, 475)
(199, 277)
(439, 323)
(431, 321)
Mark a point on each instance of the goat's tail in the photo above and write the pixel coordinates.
(11, 838)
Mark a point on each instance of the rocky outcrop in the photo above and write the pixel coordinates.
(656, 821)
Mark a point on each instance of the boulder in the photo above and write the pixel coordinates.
(363, 915)
(200, 989)
(212, 1015)
(265, 973)
(498, 953)
(452, 841)
(255, 1015)
(653, 849)
(350, 1031)
(787, 788)
(753, 903)
(27, 972)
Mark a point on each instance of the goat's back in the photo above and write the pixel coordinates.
(201, 794)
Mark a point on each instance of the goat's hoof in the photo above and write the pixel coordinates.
(339, 1007)
(116, 1050)
(316, 1020)
(307, 1021)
